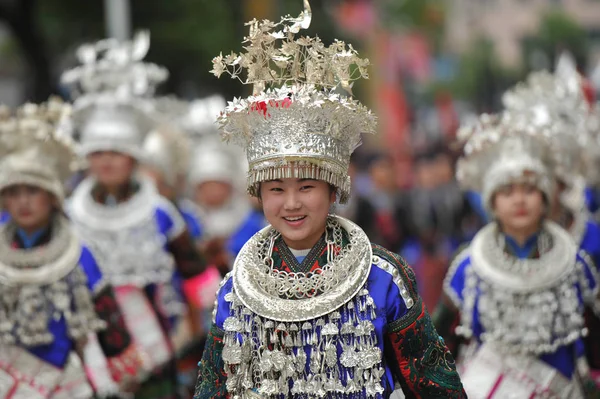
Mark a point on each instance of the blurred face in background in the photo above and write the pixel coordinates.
(426, 175)
(213, 194)
(30, 207)
(519, 208)
(444, 170)
(111, 169)
(382, 175)
(298, 209)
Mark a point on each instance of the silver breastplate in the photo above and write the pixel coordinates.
(309, 346)
(532, 308)
(41, 284)
(125, 239)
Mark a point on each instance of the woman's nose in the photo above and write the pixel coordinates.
(291, 201)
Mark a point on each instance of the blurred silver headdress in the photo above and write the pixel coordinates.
(503, 149)
(557, 108)
(295, 124)
(112, 87)
(212, 159)
(167, 147)
(36, 147)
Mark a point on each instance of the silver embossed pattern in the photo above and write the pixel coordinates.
(503, 149)
(282, 339)
(285, 296)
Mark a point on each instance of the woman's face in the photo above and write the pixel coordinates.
(297, 208)
(213, 194)
(519, 206)
(29, 207)
(110, 168)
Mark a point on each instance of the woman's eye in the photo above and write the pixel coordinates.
(304, 188)
(276, 189)
(529, 188)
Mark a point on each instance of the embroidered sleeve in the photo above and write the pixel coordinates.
(445, 319)
(115, 341)
(425, 367)
(211, 373)
(188, 260)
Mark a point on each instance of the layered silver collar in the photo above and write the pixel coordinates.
(259, 285)
(136, 209)
(225, 221)
(492, 264)
(125, 238)
(41, 265)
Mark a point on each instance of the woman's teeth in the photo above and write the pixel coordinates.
(294, 219)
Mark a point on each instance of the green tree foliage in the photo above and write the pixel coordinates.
(425, 16)
(185, 34)
(557, 33)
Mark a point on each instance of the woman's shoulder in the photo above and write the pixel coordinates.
(396, 267)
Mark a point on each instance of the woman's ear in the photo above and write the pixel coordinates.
(332, 196)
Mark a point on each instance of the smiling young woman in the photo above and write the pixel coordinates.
(312, 308)
(518, 290)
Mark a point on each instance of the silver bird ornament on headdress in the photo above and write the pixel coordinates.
(295, 124)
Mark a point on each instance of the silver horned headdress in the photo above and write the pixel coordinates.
(295, 124)
(112, 87)
(504, 149)
(36, 147)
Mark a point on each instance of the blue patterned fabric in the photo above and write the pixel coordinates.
(57, 352)
(592, 199)
(522, 251)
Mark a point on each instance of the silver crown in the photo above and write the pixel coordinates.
(36, 147)
(556, 107)
(503, 149)
(112, 86)
(295, 124)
